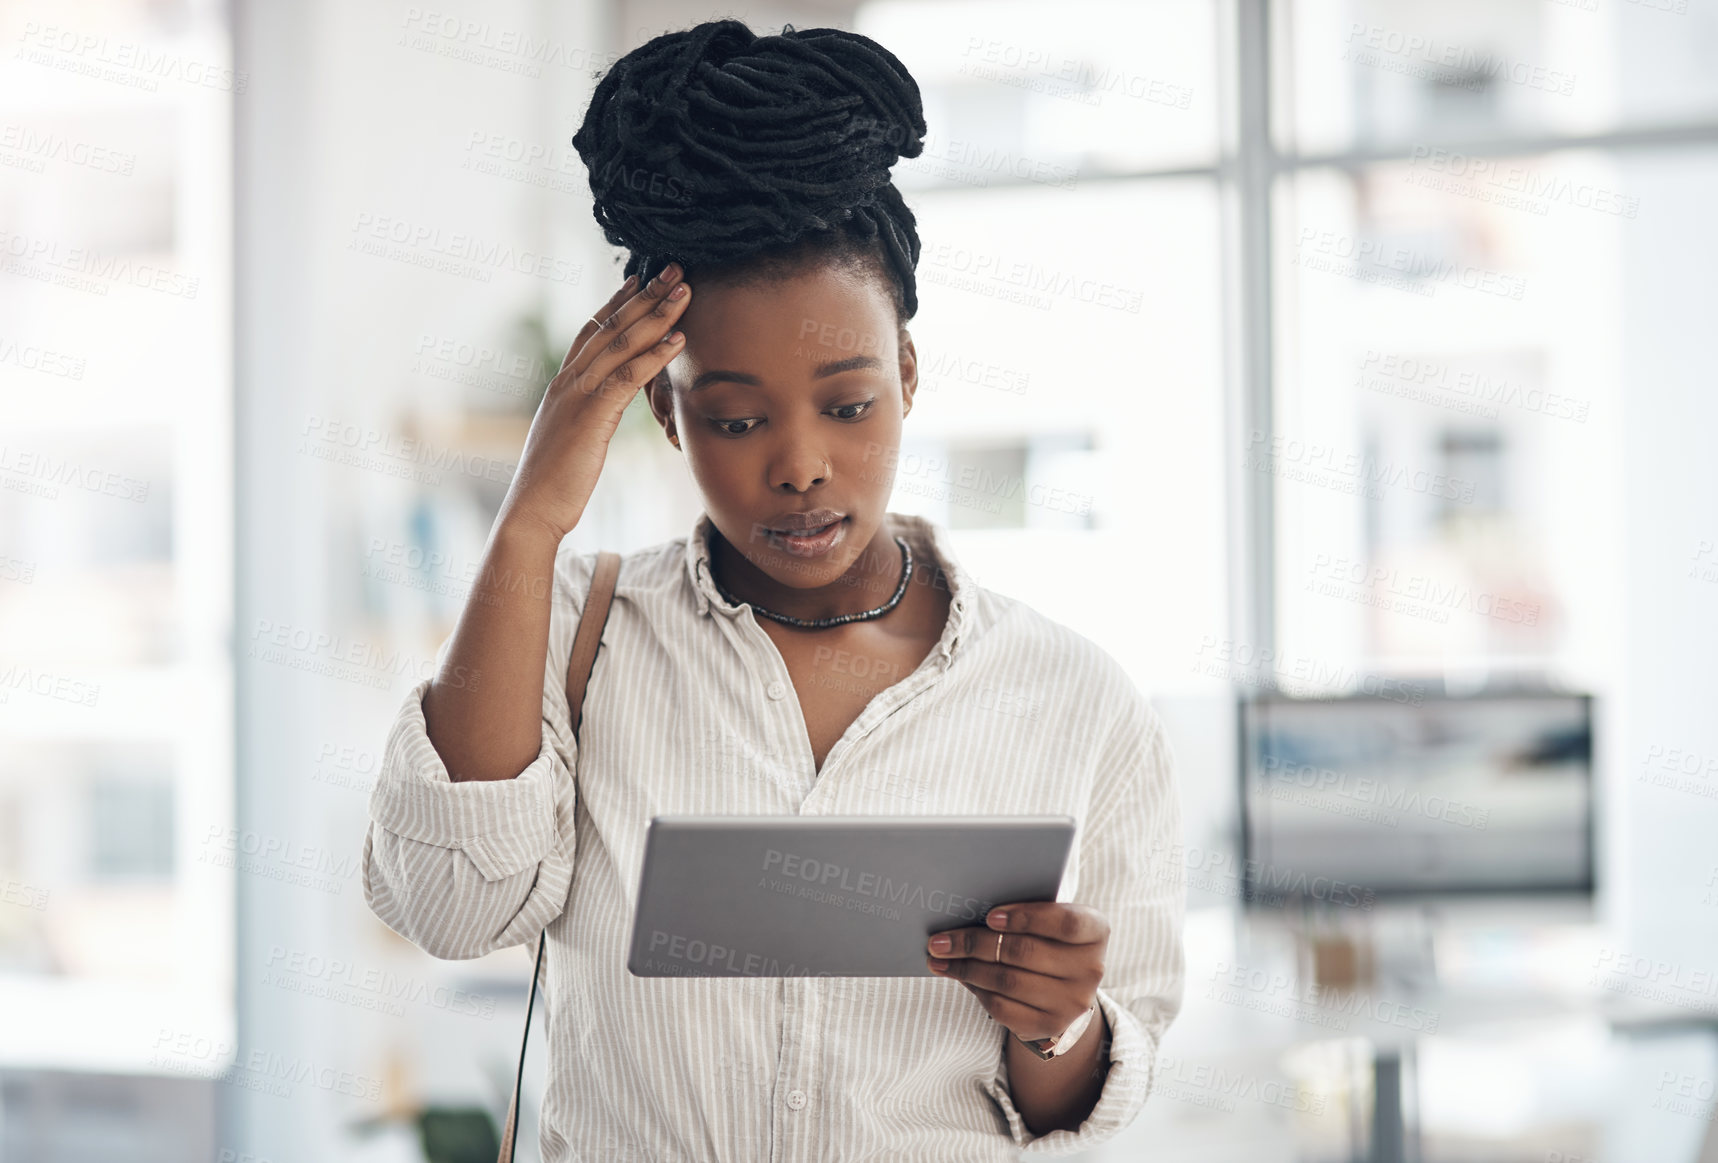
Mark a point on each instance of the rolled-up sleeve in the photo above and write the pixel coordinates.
(463, 869)
(1134, 822)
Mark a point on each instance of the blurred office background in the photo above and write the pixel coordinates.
(1354, 354)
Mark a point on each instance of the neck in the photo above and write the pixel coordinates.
(869, 581)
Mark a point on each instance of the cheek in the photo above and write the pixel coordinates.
(721, 468)
(710, 466)
(880, 437)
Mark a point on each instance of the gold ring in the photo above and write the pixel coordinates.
(999, 948)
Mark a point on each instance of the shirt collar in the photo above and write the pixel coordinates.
(931, 549)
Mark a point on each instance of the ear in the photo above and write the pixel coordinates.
(909, 364)
(660, 395)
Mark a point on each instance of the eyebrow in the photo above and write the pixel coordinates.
(821, 371)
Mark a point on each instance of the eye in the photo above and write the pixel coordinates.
(865, 406)
(857, 411)
(722, 427)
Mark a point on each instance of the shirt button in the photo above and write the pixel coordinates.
(796, 1099)
(777, 689)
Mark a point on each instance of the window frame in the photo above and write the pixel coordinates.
(1252, 46)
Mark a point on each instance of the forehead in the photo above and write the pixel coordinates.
(832, 311)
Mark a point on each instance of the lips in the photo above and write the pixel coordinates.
(814, 542)
(801, 524)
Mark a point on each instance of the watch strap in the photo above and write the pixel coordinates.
(1058, 1044)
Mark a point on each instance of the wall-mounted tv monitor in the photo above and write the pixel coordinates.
(1482, 793)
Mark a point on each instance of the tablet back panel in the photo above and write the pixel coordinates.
(831, 896)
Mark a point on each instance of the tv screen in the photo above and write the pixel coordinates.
(1457, 794)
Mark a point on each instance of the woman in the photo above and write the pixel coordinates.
(771, 276)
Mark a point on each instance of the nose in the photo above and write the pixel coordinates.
(798, 466)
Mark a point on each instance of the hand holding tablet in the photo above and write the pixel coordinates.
(841, 896)
(1039, 976)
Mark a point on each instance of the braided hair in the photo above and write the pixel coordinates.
(745, 155)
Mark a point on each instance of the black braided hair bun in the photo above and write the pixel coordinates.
(734, 153)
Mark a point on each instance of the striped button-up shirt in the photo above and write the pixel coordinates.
(691, 709)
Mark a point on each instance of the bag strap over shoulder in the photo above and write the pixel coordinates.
(584, 655)
(589, 634)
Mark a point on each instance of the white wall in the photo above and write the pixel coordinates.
(345, 116)
(1668, 836)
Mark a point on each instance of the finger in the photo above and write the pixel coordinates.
(639, 370)
(623, 358)
(1038, 990)
(1023, 1019)
(603, 312)
(1065, 921)
(642, 320)
(1023, 949)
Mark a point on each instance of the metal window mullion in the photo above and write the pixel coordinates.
(1254, 168)
(1652, 137)
(1649, 137)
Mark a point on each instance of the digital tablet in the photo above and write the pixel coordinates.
(829, 896)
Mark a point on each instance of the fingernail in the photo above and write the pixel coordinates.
(936, 965)
(678, 292)
(998, 920)
(669, 274)
(939, 944)
(674, 337)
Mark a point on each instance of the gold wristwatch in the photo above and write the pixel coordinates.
(1058, 1044)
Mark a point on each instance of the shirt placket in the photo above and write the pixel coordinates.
(794, 1101)
(815, 788)
(818, 789)
(796, 1106)
(823, 797)
(799, 1088)
(764, 662)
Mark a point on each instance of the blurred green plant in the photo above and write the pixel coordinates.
(446, 1134)
(636, 423)
(458, 1135)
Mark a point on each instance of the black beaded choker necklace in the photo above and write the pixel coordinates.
(838, 619)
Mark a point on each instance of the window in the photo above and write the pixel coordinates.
(1071, 316)
(115, 516)
(1464, 219)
